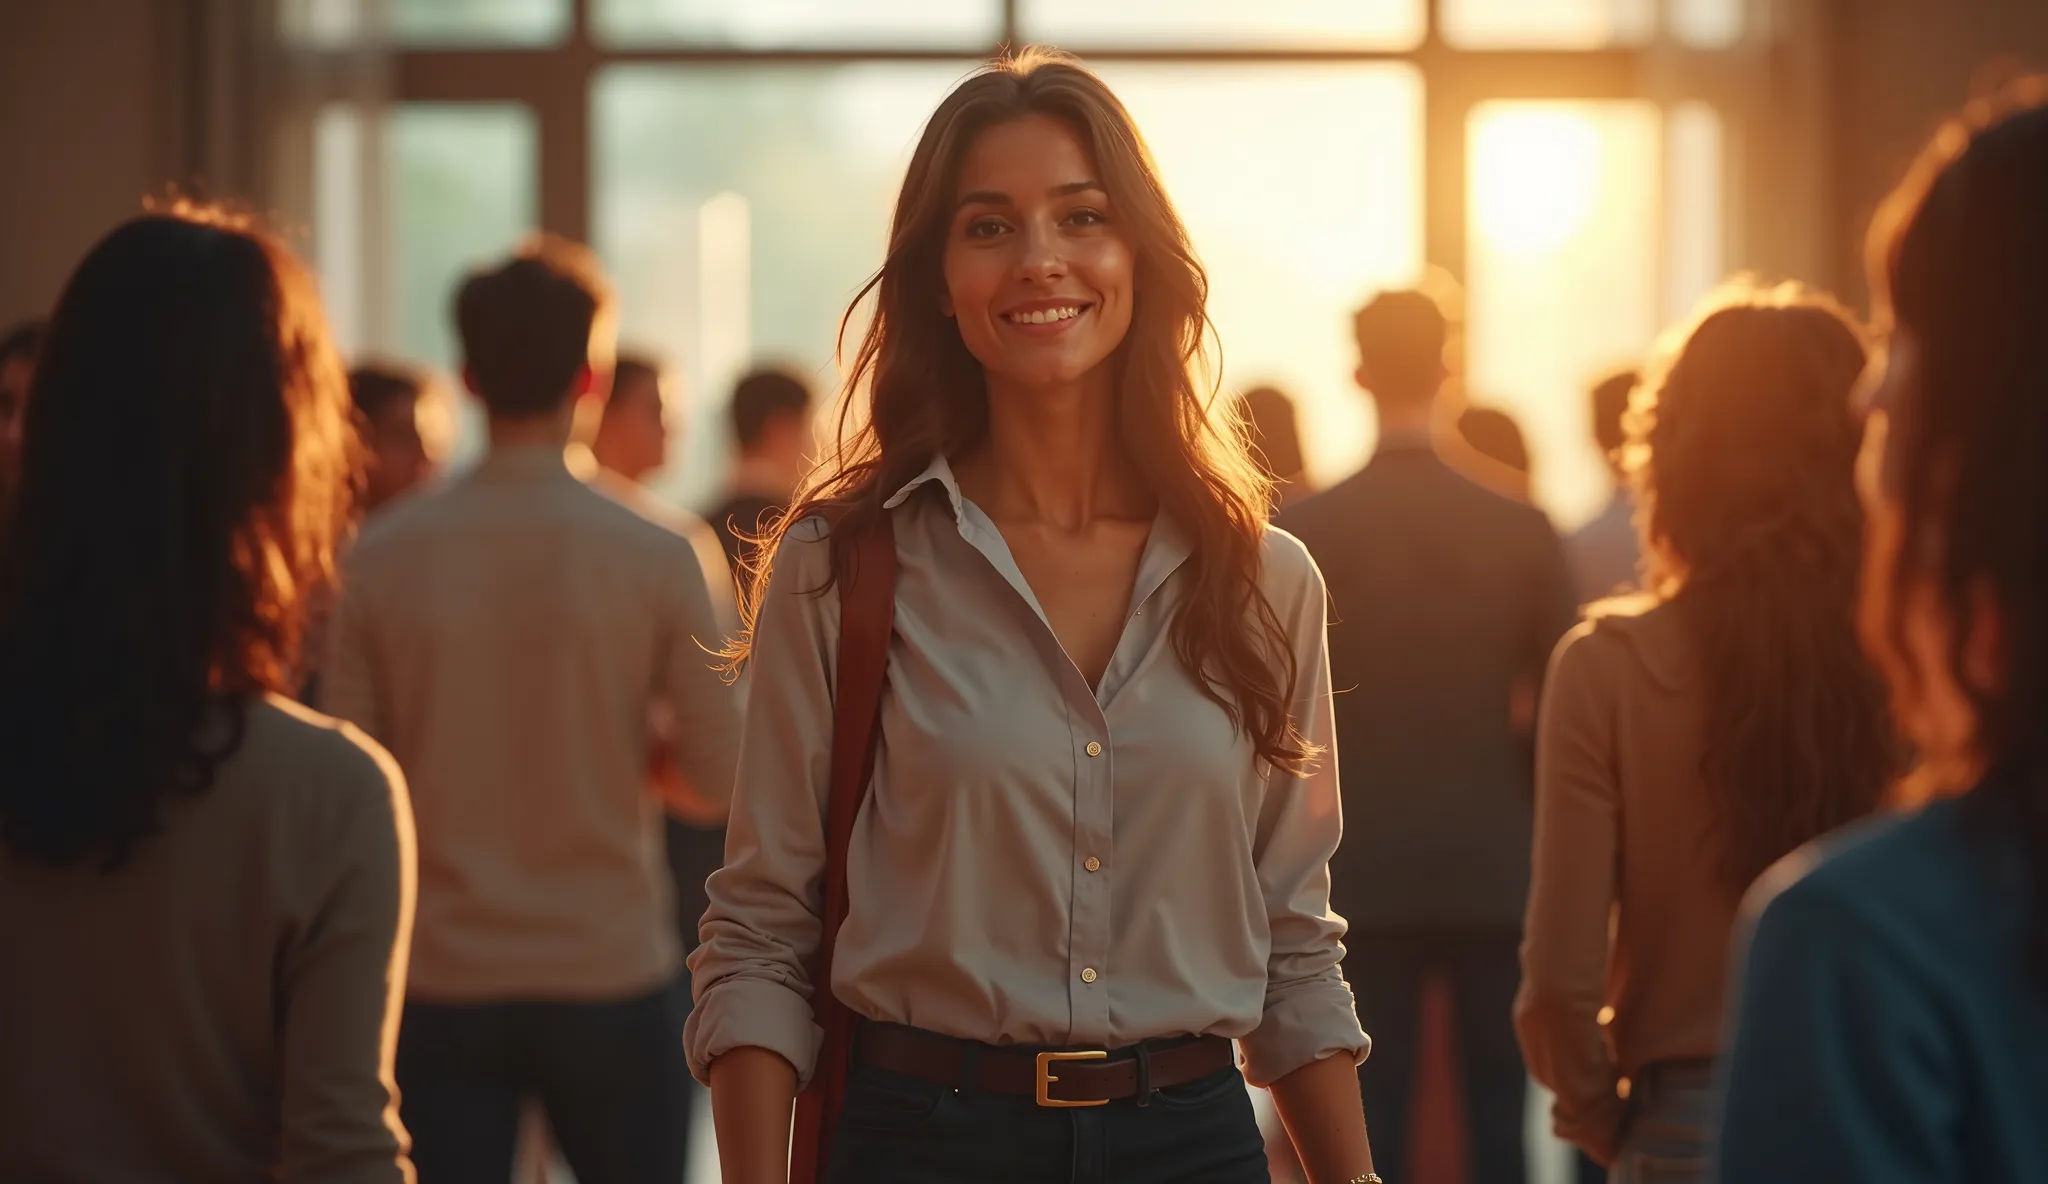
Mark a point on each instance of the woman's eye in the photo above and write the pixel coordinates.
(985, 228)
(1087, 217)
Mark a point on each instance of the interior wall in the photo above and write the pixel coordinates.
(81, 131)
(1902, 66)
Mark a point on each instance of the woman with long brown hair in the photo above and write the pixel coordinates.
(1893, 1020)
(1690, 739)
(205, 889)
(1095, 847)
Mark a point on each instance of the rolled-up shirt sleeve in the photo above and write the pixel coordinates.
(1309, 1011)
(750, 974)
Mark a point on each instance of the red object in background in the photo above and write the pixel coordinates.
(1438, 1137)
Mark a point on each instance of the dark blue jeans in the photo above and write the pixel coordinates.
(901, 1130)
(611, 1077)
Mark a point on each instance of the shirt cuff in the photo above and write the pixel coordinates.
(1310, 1021)
(752, 1013)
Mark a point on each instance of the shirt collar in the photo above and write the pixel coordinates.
(1406, 440)
(1167, 548)
(525, 462)
(941, 471)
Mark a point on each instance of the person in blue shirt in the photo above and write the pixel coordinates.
(1892, 1023)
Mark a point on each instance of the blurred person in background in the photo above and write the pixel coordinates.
(1496, 440)
(1270, 419)
(206, 891)
(18, 349)
(1695, 735)
(405, 420)
(1447, 598)
(511, 637)
(1893, 1019)
(771, 425)
(1605, 552)
(1102, 808)
(630, 446)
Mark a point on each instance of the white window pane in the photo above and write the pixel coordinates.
(769, 24)
(460, 190)
(1707, 24)
(336, 23)
(339, 235)
(1301, 187)
(739, 209)
(1320, 24)
(1692, 206)
(1563, 275)
(1547, 24)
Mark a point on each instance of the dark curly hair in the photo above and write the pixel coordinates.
(184, 474)
(1959, 266)
(1743, 444)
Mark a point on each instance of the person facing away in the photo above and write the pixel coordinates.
(403, 416)
(1605, 552)
(629, 447)
(1892, 1023)
(206, 890)
(771, 424)
(511, 637)
(18, 349)
(1072, 841)
(1496, 439)
(1695, 735)
(1269, 416)
(1446, 599)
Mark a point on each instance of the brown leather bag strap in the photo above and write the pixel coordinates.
(867, 617)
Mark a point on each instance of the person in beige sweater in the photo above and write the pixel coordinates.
(206, 892)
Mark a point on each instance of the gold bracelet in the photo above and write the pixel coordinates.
(1368, 1178)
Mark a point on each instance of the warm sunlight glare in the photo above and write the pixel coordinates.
(1535, 177)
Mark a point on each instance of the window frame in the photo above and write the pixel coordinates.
(556, 82)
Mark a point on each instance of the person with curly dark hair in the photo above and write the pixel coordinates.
(1893, 1018)
(206, 891)
(1691, 738)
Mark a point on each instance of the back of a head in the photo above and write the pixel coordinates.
(1494, 434)
(184, 475)
(375, 386)
(1401, 338)
(22, 342)
(635, 371)
(1270, 417)
(1744, 450)
(527, 325)
(1959, 260)
(1609, 398)
(762, 397)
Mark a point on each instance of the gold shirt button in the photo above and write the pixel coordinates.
(1087, 974)
(1094, 749)
(1092, 864)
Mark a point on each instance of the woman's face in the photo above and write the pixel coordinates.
(1038, 271)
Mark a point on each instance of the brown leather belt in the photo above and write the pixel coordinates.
(1055, 1077)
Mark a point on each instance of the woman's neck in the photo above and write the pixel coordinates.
(1051, 455)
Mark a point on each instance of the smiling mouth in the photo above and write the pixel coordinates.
(1046, 316)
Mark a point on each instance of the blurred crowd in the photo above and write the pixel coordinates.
(353, 806)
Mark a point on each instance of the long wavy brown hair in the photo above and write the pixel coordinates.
(1743, 444)
(1959, 266)
(185, 471)
(926, 395)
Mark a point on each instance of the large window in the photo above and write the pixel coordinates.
(735, 164)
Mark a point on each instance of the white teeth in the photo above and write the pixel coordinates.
(1046, 316)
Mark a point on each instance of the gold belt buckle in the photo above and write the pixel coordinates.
(1045, 1078)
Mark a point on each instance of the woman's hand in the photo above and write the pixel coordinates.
(1319, 1105)
(752, 1091)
